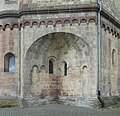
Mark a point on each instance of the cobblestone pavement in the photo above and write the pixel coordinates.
(58, 110)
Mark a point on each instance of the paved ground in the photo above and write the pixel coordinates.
(58, 110)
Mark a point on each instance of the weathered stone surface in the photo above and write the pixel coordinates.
(113, 6)
(67, 39)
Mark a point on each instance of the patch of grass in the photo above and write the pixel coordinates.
(10, 103)
(8, 106)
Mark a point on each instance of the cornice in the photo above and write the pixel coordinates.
(25, 10)
(48, 10)
(110, 18)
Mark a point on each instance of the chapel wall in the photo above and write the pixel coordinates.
(87, 32)
(9, 44)
(109, 60)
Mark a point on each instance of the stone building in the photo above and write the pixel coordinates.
(49, 51)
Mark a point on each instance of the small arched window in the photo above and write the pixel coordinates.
(113, 56)
(50, 67)
(65, 69)
(9, 63)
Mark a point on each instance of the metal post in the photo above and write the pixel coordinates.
(99, 47)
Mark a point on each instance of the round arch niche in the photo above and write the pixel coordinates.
(59, 46)
(52, 51)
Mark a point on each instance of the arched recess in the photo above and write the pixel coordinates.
(48, 39)
(38, 36)
(53, 49)
(9, 63)
(54, 44)
(35, 69)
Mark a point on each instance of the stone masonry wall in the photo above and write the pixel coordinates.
(75, 85)
(9, 5)
(9, 43)
(109, 63)
(69, 38)
(112, 6)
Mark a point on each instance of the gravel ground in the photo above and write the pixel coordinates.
(58, 110)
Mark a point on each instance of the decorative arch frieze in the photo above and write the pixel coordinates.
(63, 21)
(58, 22)
(15, 25)
(83, 20)
(75, 21)
(34, 22)
(110, 29)
(27, 23)
(50, 22)
(7, 25)
(92, 20)
(47, 22)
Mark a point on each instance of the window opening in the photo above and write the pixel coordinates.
(65, 69)
(50, 67)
